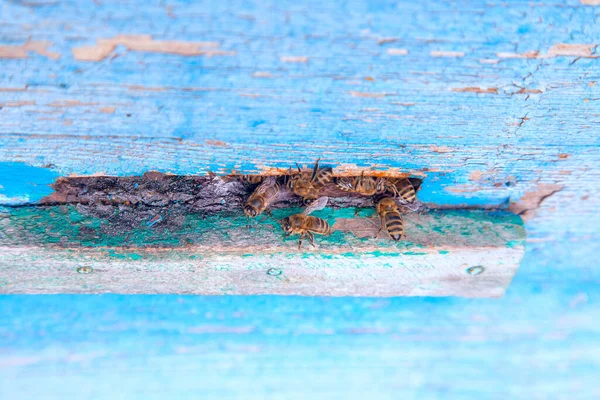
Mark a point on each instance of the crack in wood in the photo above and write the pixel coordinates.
(125, 201)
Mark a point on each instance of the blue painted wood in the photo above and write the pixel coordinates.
(516, 110)
(352, 102)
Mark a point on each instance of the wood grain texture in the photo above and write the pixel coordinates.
(508, 107)
(44, 250)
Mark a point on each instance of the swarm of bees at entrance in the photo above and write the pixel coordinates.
(388, 195)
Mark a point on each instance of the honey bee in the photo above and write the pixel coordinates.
(369, 186)
(309, 189)
(307, 225)
(390, 218)
(265, 194)
(403, 189)
(252, 179)
(365, 185)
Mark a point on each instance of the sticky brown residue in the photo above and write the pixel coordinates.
(576, 50)
(22, 51)
(397, 52)
(436, 53)
(473, 89)
(294, 59)
(367, 94)
(563, 156)
(528, 205)
(145, 43)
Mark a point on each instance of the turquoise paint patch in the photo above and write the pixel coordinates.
(124, 256)
(21, 183)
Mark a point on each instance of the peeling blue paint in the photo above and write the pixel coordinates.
(21, 183)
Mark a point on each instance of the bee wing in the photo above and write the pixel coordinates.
(316, 205)
(267, 183)
(345, 183)
(412, 207)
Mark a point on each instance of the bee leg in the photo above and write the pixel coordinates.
(380, 228)
(300, 241)
(268, 212)
(315, 170)
(311, 238)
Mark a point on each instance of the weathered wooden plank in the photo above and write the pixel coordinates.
(488, 101)
(472, 93)
(62, 250)
(291, 347)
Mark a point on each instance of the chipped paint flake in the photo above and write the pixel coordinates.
(528, 54)
(574, 50)
(397, 52)
(441, 149)
(18, 103)
(70, 103)
(107, 110)
(528, 205)
(145, 43)
(216, 143)
(13, 89)
(294, 59)
(475, 175)
(437, 53)
(39, 47)
(260, 74)
(367, 94)
(472, 89)
(385, 40)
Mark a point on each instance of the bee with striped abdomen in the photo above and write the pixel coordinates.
(265, 194)
(364, 185)
(252, 179)
(369, 186)
(390, 218)
(307, 225)
(403, 189)
(306, 188)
